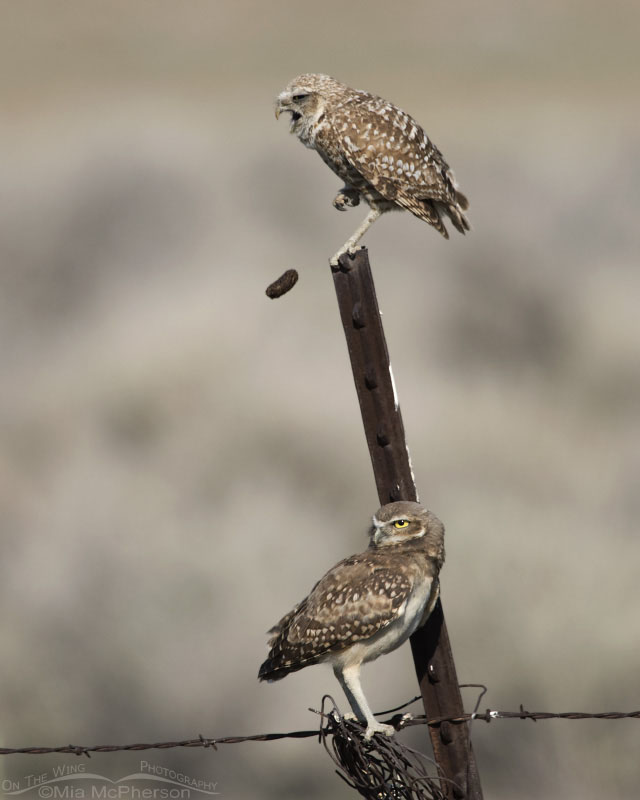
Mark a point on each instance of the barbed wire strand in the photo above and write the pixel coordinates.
(398, 721)
(381, 767)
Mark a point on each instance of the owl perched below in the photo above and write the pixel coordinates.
(367, 605)
(378, 150)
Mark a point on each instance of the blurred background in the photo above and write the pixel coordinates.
(181, 458)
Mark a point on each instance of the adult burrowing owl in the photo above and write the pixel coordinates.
(367, 605)
(378, 150)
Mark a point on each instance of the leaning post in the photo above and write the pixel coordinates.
(384, 430)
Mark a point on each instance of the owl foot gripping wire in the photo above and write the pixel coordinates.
(378, 150)
(366, 606)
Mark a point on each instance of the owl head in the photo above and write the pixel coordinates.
(403, 522)
(305, 98)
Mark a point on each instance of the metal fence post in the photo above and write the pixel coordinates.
(384, 431)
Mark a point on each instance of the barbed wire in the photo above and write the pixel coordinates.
(399, 721)
(382, 767)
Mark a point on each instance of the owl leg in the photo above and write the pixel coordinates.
(349, 678)
(347, 197)
(350, 245)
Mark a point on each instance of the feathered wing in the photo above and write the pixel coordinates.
(394, 154)
(353, 601)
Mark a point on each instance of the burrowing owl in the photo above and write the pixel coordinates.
(378, 150)
(367, 605)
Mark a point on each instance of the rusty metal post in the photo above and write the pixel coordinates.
(384, 430)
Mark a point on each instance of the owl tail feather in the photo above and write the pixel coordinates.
(454, 212)
(462, 201)
(270, 673)
(275, 668)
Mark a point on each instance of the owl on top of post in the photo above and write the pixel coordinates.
(381, 153)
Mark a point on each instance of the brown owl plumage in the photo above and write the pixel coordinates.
(367, 605)
(378, 150)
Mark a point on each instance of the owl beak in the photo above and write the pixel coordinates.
(281, 105)
(375, 533)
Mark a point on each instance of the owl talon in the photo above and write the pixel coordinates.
(346, 198)
(349, 251)
(373, 726)
(379, 727)
(340, 202)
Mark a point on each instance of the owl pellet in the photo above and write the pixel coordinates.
(283, 284)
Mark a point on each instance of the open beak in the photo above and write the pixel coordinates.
(281, 106)
(283, 103)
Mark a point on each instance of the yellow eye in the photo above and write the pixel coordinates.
(400, 523)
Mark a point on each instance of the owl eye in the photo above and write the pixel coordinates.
(400, 523)
(301, 96)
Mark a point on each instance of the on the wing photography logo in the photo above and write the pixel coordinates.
(75, 782)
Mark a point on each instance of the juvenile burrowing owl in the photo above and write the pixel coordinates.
(378, 150)
(367, 605)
